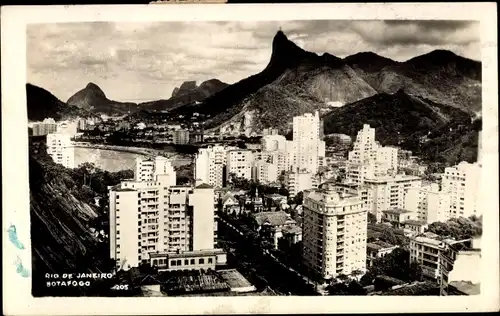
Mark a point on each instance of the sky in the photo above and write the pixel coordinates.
(146, 61)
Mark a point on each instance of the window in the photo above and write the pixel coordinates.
(201, 261)
(173, 263)
(179, 262)
(186, 262)
(192, 261)
(210, 260)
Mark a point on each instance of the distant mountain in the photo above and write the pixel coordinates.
(187, 94)
(296, 81)
(411, 122)
(93, 99)
(440, 76)
(42, 104)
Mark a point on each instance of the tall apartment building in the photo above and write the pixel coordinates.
(181, 137)
(308, 145)
(60, 148)
(47, 126)
(239, 162)
(265, 172)
(146, 169)
(368, 159)
(386, 193)
(428, 203)
(210, 165)
(299, 181)
(149, 218)
(462, 182)
(334, 232)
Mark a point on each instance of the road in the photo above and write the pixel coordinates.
(266, 252)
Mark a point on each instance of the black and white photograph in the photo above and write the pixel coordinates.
(243, 158)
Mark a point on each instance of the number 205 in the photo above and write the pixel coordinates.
(120, 287)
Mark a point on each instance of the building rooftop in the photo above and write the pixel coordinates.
(204, 186)
(396, 211)
(291, 229)
(235, 280)
(273, 218)
(379, 244)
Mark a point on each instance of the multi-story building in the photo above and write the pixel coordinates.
(299, 181)
(210, 165)
(265, 172)
(308, 145)
(146, 169)
(273, 143)
(386, 193)
(432, 252)
(61, 149)
(181, 137)
(239, 162)
(462, 182)
(152, 220)
(334, 232)
(369, 159)
(428, 203)
(47, 126)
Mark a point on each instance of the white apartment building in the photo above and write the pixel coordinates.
(61, 149)
(307, 142)
(146, 169)
(299, 181)
(334, 232)
(239, 162)
(265, 172)
(210, 165)
(47, 126)
(152, 217)
(428, 203)
(368, 159)
(430, 251)
(385, 193)
(462, 182)
(273, 143)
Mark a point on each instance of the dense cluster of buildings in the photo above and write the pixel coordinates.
(155, 221)
(298, 159)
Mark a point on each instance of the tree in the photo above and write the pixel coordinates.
(372, 219)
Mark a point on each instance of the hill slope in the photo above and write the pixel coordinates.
(93, 99)
(43, 104)
(427, 128)
(440, 76)
(296, 81)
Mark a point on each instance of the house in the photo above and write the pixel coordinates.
(270, 224)
(230, 203)
(292, 234)
(397, 216)
(377, 249)
(276, 200)
(415, 226)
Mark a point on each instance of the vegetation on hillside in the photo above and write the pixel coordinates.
(458, 228)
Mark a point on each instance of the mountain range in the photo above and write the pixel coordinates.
(296, 81)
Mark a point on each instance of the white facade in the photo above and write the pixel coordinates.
(385, 193)
(429, 203)
(462, 182)
(210, 164)
(151, 217)
(61, 149)
(146, 169)
(273, 143)
(300, 181)
(368, 159)
(265, 172)
(239, 162)
(307, 138)
(334, 232)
